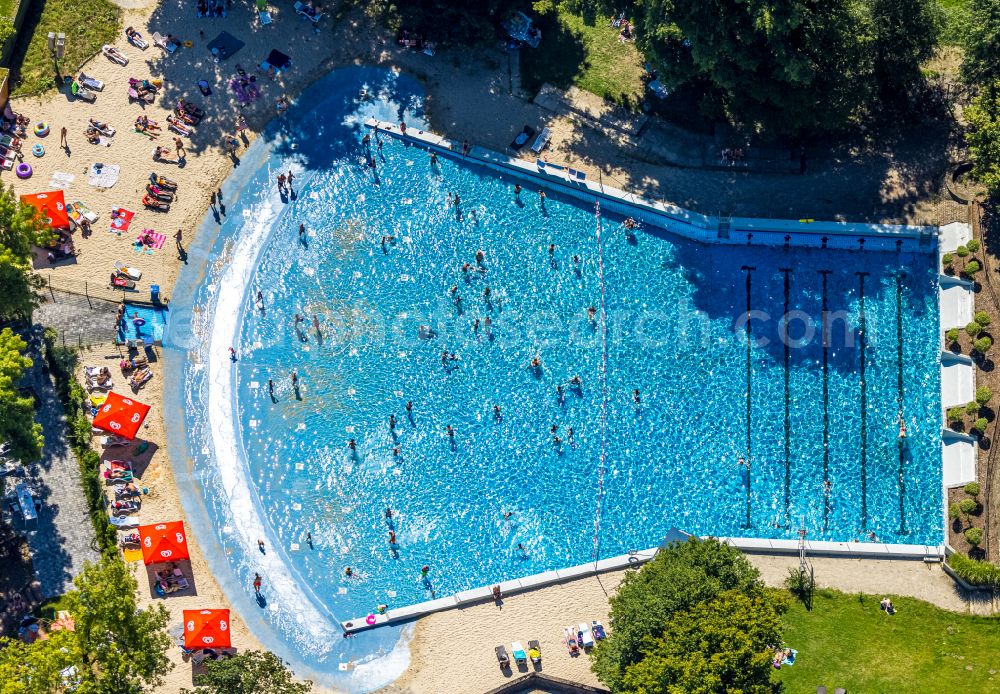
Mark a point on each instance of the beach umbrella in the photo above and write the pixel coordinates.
(52, 206)
(206, 629)
(121, 415)
(163, 542)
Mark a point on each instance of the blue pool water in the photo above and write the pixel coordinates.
(668, 321)
(151, 325)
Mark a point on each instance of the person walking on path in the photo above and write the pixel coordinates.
(179, 146)
(256, 583)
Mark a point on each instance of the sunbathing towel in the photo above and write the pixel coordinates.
(224, 46)
(121, 219)
(103, 175)
(157, 239)
(61, 180)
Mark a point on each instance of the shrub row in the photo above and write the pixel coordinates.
(62, 363)
(974, 572)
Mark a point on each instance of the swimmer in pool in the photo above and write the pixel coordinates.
(270, 387)
(552, 249)
(396, 452)
(488, 323)
(392, 537)
(541, 196)
(591, 313)
(486, 293)
(475, 326)
(497, 416)
(260, 299)
(553, 429)
(636, 397)
(517, 189)
(434, 158)
(902, 426)
(348, 572)
(352, 444)
(480, 257)
(536, 362)
(409, 407)
(451, 431)
(388, 514)
(392, 421)
(316, 322)
(569, 435)
(576, 380)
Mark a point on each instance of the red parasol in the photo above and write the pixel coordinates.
(163, 542)
(206, 629)
(52, 206)
(120, 415)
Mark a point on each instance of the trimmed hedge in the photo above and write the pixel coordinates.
(62, 363)
(973, 572)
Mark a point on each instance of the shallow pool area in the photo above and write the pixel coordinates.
(143, 322)
(485, 384)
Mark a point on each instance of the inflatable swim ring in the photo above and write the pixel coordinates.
(138, 322)
(23, 170)
(188, 44)
(38, 150)
(41, 128)
(370, 619)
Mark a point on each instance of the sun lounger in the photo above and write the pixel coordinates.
(111, 441)
(584, 636)
(300, 8)
(264, 17)
(136, 40)
(502, 657)
(125, 521)
(522, 138)
(90, 82)
(130, 272)
(569, 638)
(519, 655)
(542, 141)
(114, 54)
(161, 41)
(80, 92)
(140, 378)
(840, 690)
(534, 651)
(821, 690)
(598, 629)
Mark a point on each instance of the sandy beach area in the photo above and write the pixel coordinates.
(466, 99)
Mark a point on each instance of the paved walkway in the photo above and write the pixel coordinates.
(79, 320)
(64, 538)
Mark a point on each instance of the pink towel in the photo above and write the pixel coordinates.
(157, 239)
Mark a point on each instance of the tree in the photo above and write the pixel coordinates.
(906, 32)
(677, 579)
(982, 59)
(451, 21)
(983, 116)
(723, 645)
(35, 667)
(122, 647)
(116, 648)
(18, 429)
(250, 672)
(20, 230)
(789, 66)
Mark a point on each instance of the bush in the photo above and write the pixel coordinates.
(952, 335)
(972, 489)
(954, 512)
(982, 345)
(980, 425)
(983, 395)
(973, 572)
(962, 252)
(968, 506)
(956, 414)
(973, 329)
(972, 408)
(971, 268)
(983, 318)
(948, 259)
(973, 245)
(974, 536)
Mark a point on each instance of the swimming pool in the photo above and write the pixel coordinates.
(499, 498)
(151, 323)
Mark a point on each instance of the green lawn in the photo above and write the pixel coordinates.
(7, 8)
(590, 57)
(847, 641)
(88, 24)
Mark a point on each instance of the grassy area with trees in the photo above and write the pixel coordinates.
(88, 24)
